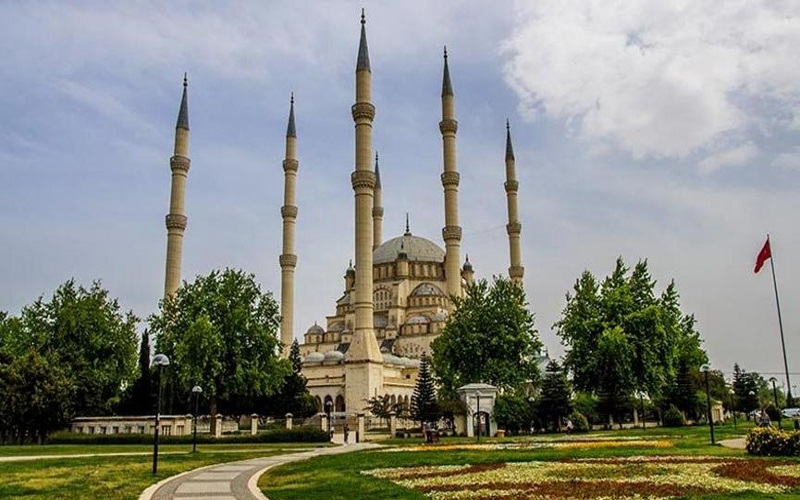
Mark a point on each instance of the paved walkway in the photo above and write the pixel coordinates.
(737, 443)
(233, 480)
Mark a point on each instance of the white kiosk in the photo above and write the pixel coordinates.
(479, 400)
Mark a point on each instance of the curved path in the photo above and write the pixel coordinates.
(233, 480)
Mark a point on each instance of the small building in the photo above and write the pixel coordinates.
(171, 425)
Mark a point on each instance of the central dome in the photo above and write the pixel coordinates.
(416, 248)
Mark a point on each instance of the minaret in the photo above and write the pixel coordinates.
(451, 233)
(514, 228)
(364, 360)
(468, 273)
(288, 259)
(176, 218)
(377, 210)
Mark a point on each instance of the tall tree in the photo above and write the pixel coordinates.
(292, 396)
(424, 406)
(138, 399)
(294, 357)
(220, 332)
(489, 337)
(747, 387)
(555, 397)
(84, 332)
(654, 332)
(616, 382)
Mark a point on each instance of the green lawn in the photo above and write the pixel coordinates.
(338, 477)
(82, 449)
(112, 478)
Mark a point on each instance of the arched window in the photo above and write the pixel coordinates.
(328, 405)
(393, 400)
(340, 403)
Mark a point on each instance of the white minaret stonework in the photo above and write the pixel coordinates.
(377, 210)
(288, 258)
(176, 218)
(363, 360)
(451, 233)
(514, 227)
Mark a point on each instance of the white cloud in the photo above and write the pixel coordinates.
(659, 79)
(788, 160)
(732, 157)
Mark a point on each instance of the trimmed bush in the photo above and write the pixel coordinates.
(673, 417)
(296, 435)
(772, 442)
(579, 422)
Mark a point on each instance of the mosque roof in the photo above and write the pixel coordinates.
(415, 247)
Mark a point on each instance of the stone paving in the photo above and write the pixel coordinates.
(233, 480)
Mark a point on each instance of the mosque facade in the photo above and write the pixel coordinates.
(396, 294)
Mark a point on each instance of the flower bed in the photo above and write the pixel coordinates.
(530, 445)
(606, 478)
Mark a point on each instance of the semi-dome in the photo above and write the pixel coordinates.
(427, 289)
(418, 320)
(415, 248)
(314, 357)
(333, 356)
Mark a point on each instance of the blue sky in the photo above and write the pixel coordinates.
(668, 131)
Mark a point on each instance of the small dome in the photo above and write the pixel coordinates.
(391, 359)
(427, 289)
(440, 316)
(333, 356)
(380, 321)
(410, 363)
(418, 320)
(314, 357)
(315, 329)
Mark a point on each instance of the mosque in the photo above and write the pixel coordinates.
(396, 296)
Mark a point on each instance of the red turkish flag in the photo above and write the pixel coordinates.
(763, 255)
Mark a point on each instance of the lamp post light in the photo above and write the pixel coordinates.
(775, 398)
(531, 400)
(733, 407)
(478, 414)
(758, 403)
(159, 361)
(196, 390)
(706, 369)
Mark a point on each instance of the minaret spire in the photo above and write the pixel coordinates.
(513, 228)
(363, 360)
(288, 259)
(377, 209)
(451, 233)
(176, 219)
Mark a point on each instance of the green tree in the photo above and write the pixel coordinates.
(220, 332)
(424, 406)
(489, 337)
(513, 412)
(293, 396)
(654, 332)
(554, 402)
(138, 398)
(83, 332)
(37, 396)
(746, 389)
(616, 382)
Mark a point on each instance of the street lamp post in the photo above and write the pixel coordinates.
(706, 369)
(758, 403)
(733, 407)
(159, 361)
(478, 415)
(196, 390)
(775, 398)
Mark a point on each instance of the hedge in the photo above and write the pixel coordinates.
(769, 441)
(296, 435)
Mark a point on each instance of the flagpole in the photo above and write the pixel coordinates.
(789, 400)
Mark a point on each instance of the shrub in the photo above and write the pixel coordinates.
(769, 441)
(579, 422)
(295, 435)
(673, 417)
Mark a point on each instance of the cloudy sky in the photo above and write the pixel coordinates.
(648, 129)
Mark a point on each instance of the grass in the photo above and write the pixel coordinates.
(112, 478)
(83, 449)
(338, 477)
